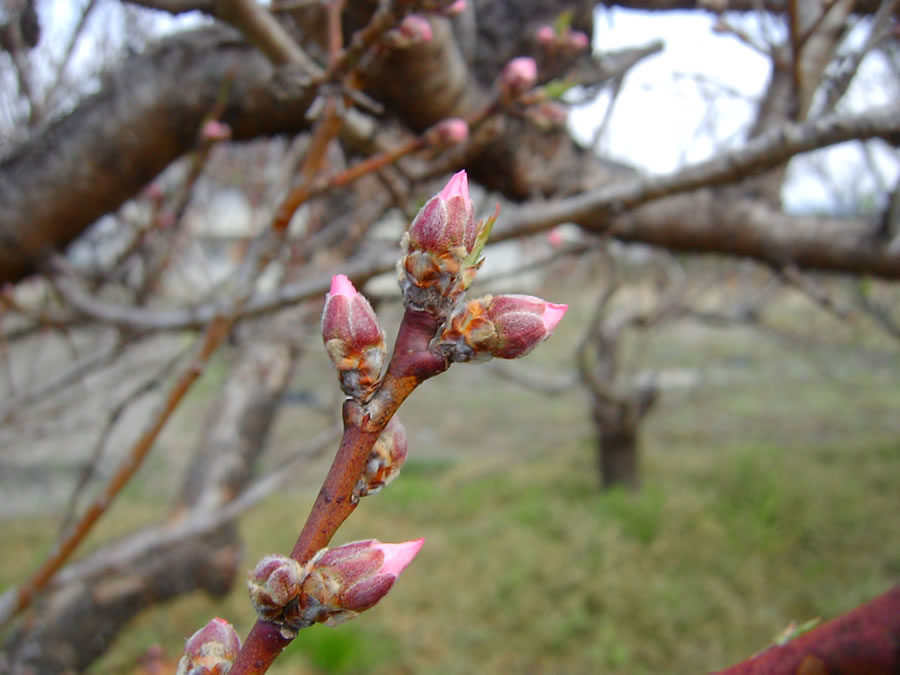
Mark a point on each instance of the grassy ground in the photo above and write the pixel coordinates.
(769, 499)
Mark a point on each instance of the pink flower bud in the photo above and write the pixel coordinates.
(385, 460)
(448, 132)
(546, 35)
(273, 584)
(214, 130)
(413, 29)
(555, 238)
(442, 249)
(577, 40)
(503, 326)
(350, 579)
(455, 8)
(518, 76)
(522, 322)
(353, 338)
(211, 650)
(447, 221)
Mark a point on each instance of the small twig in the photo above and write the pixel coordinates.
(100, 445)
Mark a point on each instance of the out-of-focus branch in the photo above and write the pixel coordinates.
(262, 30)
(774, 6)
(863, 640)
(759, 154)
(835, 87)
(59, 78)
(147, 115)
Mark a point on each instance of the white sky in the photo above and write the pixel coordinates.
(662, 119)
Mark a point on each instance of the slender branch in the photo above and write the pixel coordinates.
(410, 365)
(25, 594)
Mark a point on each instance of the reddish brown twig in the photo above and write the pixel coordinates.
(411, 364)
(215, 333)
(864, 641)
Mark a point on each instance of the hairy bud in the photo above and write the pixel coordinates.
(353, 339)
(442, 249)
(502, 326)
(211, 650)
(214, 131)
(413, 29)
(448, 132)
(350, 579)
(518, 77)
(274, 585)
(545, 35)
(385, 460)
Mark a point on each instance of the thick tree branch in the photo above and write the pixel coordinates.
(146, 115)
(861, 641)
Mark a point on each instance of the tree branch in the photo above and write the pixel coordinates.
(147, 115)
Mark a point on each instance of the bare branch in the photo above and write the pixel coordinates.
(147, 115)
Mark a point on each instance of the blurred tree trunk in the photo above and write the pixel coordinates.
(74, 624)
(618, 437)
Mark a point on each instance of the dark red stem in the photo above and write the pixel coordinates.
(864, 641)
(411, 364)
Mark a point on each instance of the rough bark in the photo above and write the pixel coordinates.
(146, 115)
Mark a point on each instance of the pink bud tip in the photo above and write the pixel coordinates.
(555, 237)
(341, 285)
(546, 35)
(451, 131)
(519, 75)
(579, 40)
(457, 7)
(457, 186)
(553, 314)
(398, 556)
(211, 649)
(416, 28)
(214, 130)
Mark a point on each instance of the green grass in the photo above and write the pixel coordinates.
(764, 501)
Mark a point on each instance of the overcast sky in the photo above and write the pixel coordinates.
(664, 116)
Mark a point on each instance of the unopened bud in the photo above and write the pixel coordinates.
(577, 41)
(274, 585)
(448, 132)
(211, 650)
(502, 326)
(546, 35)
(441, 250)
(455, 8)
(350, 579)
(518, 76)
(413, 29)
(385, 460)
(214, 130)
(353, 339)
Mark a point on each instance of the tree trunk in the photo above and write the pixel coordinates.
(618, 436)
(617, 451)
